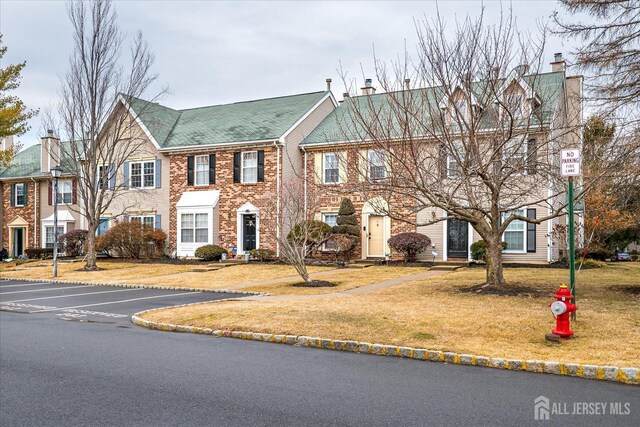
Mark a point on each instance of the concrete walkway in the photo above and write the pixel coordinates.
(350, 292)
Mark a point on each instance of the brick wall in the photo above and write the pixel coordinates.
(232, 195)
(330, 195)
(10, 213)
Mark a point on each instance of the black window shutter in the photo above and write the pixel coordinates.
(236, 167)
(260, 165)
(212, 168)
(531, 231)
(26, 194)
(13, 194)
(190, 170)
(532, 154)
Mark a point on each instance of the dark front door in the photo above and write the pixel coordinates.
(457, 238)
(18, 241)
(248, 232)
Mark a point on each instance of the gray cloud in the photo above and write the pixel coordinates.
(218, 52)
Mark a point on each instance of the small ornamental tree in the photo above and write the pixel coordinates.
(410, 244)
(72, 243)
(347, 221)
(133, 240)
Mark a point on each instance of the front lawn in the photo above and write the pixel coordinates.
(155, 273)
(435, 314)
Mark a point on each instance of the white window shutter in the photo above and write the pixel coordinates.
(342, 165)
(318, 172)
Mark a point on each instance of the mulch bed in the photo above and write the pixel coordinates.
(314, 284)
(506, 290)
(628, 289)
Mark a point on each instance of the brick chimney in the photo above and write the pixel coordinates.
(7, 143)
(558, 63)
(49, 152)
(368, 88)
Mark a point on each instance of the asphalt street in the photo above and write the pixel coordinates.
(60, 369)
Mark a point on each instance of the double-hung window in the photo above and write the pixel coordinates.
(515, 153)
(65, 192)
(331, 168)
(202, 170)
(515, 233)
(103, 177)
(21, 195)
(50, 236)
(146, 220)
(377, 167)
(249, 167)
(331, 220)
(194, 228)
(453, 160)
(143, 174)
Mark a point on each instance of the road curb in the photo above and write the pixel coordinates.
(127, 285)
(593, 372)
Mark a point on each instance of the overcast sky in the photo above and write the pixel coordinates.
(219, 52)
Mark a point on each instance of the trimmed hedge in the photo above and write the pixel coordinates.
(410, 244)
(479, 250)
(210, 252)
(263, 254)
(39, 253)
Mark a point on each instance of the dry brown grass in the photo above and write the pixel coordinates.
(160, 274)
(344, 278)
(434, 314)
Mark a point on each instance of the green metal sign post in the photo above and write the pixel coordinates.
(570, 167)
(572, 247)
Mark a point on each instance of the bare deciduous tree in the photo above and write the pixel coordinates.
(296, 232)
(95, 112)
(610, 49)
(480, 142)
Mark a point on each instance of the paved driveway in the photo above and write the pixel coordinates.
(90, 303)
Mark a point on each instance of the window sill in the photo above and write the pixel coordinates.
(523, 252)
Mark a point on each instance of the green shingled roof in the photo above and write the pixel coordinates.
(26, 164)
(340, 125)
(258, 120)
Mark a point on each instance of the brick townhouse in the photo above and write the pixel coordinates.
(223, 159)
(27, 198)
(339, 162)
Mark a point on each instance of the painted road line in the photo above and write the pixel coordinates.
(117, 302)
(18, 305)
(26, 284)
(79, 295)
(43, 290)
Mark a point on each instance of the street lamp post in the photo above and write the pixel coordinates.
(56, 171)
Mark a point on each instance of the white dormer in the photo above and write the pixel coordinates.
(459, 101)
(517, 95)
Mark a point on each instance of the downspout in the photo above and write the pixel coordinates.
(305, 178)
(35, 212)
(278, 183)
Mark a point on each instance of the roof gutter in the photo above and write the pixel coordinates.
(216, 147)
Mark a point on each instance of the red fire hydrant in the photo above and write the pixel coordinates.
(562, 309)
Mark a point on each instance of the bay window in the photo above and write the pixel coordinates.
(194, 228)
